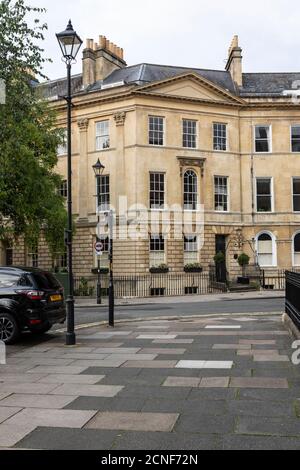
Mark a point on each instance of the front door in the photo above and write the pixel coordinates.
(221, 266)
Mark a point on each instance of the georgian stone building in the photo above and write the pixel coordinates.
(172, 135)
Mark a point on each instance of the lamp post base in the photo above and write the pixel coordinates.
(70, 339)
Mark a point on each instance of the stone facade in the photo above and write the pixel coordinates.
(207, 97)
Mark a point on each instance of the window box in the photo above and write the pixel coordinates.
(193, 268)
(159, 269)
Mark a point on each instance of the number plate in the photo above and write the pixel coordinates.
(55, 298)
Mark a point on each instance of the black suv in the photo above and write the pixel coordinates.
(30, 299)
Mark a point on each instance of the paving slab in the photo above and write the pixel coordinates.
(172, 341)
(36, 388)
(71, 379)
(214, 382)
(159, 422)
(67, 439)
(55, 418)
(87, 390)
(11, 434)
(181, 382)
(58, 369)
(37, 401)
(258, 382)
(150, 364)
(6, 412)
(190, 364)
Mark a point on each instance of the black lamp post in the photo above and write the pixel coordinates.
(70, 43)
(98, 170)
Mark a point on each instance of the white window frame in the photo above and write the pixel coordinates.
(293, 249)
(163, 252)
(196, 132)
(274, 248)
(97, 195)
(292, 193)
(213, 136)
(272, 194)
(270, 140)
(291, 146)
(196, 251)
(228, 193)
(197, 186)
(98, 136)
(149, 191)
(163, 133)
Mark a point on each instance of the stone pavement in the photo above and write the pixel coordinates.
(198, 383)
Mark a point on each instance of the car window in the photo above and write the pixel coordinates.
(9, 279)
(25, 281)
(45, 281)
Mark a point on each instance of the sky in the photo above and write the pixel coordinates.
(191, 33)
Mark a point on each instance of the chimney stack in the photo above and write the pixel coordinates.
(234, 62)
(100, 60)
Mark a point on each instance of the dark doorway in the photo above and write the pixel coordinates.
(8, 256)
(221, 266)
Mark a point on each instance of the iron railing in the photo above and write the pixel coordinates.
(274, 279)
(292, 296)
(166, 284)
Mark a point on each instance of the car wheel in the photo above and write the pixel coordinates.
(9, 329)
(39, 330)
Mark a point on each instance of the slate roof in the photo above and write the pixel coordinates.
(254, 84)
(273, 84)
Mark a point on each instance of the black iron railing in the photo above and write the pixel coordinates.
(292, 296)
(167, 284)
(274, 279)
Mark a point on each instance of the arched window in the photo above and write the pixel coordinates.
(266, 249)
(190, 190)
(296, 249)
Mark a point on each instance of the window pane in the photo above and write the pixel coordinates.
(102, 135)
(264, 197)
(219, 136)
(103, 192)
(156, 130)
(190, 190)
(262, 138)
(157, 190)
(296, 203)
(189, 133)
(221, 193)
(297, 243)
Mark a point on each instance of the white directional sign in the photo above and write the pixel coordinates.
(98, 246)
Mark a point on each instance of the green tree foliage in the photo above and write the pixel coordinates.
(29, 200)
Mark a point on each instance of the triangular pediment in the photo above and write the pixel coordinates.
(190, 86)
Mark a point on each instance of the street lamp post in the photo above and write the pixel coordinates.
(70, 43)
(98, 170)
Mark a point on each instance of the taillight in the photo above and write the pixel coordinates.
(33, 294)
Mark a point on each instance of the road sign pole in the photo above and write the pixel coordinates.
(111, 299)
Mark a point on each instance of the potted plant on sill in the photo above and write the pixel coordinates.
(193, 268)
(243, 261)
(161, 268)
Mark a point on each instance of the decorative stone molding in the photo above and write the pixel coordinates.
(191, 161)
(120, 118)
(83, 124)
